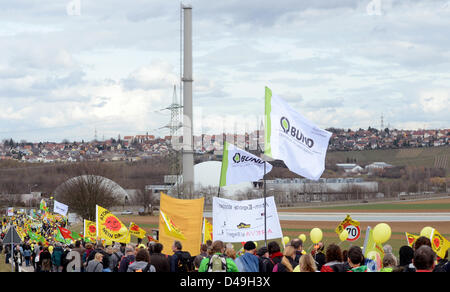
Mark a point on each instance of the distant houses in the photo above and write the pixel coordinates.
(133, 148)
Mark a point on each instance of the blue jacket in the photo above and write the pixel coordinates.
(57, 256)
(247, 263)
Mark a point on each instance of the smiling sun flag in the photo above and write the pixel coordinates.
(137, 231)
(90, 229)
(109, 227)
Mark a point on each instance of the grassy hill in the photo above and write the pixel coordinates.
(427, 157)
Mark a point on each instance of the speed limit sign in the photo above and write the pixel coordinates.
(353, 232)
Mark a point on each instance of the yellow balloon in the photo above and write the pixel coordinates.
(286, 239)
(344, 235)
(426, 231)
(302, 237)
(256, 244)
(381, 233)
(316, 235)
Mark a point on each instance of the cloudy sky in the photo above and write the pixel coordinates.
(70, 67)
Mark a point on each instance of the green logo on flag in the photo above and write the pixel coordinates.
(295, 133)
(237, 158)
(285, 124)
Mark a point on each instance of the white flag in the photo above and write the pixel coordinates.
(292, 138)
(60, 208)
(241, 166)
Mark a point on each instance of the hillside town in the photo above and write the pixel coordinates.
(138, 147)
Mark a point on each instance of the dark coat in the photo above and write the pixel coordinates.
(160, 262)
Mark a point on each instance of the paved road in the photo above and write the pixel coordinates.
(362, 217)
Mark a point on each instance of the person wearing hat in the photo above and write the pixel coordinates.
(248, 262)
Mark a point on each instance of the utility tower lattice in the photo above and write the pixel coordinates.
(175, 109)
(174, 126)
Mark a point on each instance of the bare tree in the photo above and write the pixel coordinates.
(83, 193)
(146, 199)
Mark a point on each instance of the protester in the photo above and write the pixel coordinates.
(248, 262)
(95, 265)
(158, 260)
(27, 255)
(218, 262)
(203, 254)
(356, 260)
(180, 261)
(100, 249)
(275, 256)
(87, 252)
(424, 259)
(406, 255)
(231, 253)
(129, 257)
(80, 249)
(389, 263)
(333, 259)
(318, 255)
(306, 264)
(114, 259)
(387, 248)
(297, 243)
(264, 260)
(17, 258)
(57, 256)
(45, 261)
(442, 265)
(142, 263)
(64, 260)
(422, 240)
(287, 263)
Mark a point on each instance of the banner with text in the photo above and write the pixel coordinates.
(60, 208)
(239, 221)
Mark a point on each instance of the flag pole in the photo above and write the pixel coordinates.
(265, 209)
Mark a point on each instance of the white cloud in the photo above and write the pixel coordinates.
(113, 67)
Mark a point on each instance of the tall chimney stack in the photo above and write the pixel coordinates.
(188, 147)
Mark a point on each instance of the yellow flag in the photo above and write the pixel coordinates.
(180, 220)
(207, 230)
(110, 227)
(137, 231)
(439, 243)
(90, 229)
(411, 238)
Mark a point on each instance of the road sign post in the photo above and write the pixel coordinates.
(12, 237)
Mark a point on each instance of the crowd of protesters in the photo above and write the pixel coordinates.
(214, 256)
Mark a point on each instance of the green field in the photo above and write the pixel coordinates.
(428, 157)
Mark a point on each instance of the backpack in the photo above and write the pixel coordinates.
(185, 262)
(217, 263)
(116, 268)
(145, 270)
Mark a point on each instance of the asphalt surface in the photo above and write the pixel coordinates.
(362, 217)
